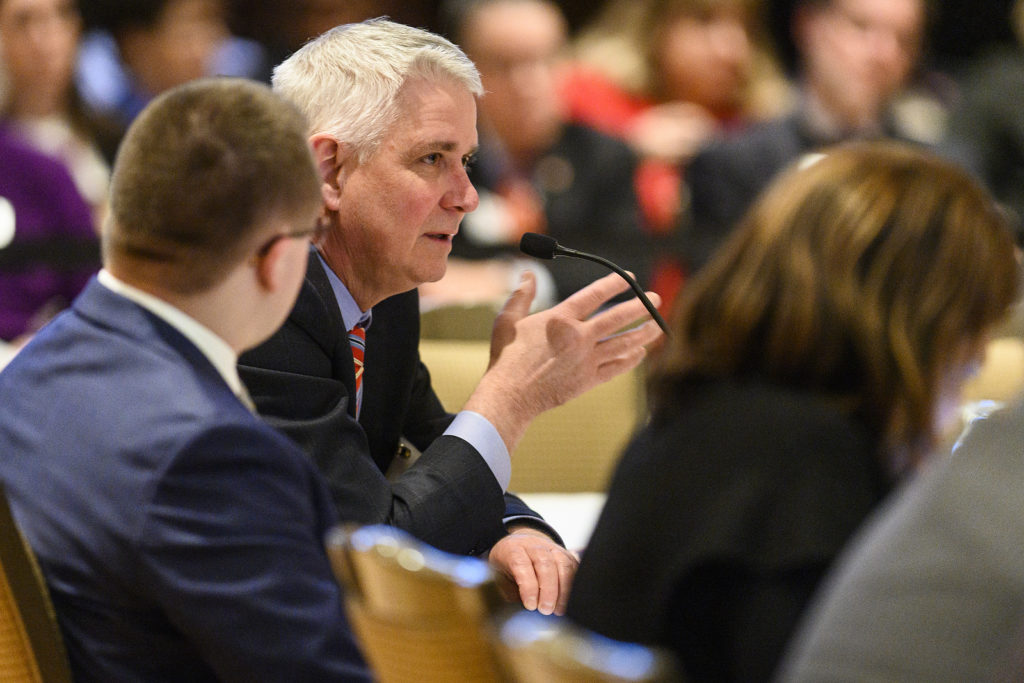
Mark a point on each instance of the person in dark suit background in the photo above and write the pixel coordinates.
(180, 536)
(814, 363)
(392, 122)
(535, 171)
(856, 57)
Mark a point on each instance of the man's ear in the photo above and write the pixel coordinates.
(271, 267)
(331, 159)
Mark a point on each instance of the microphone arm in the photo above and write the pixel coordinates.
(545, 247)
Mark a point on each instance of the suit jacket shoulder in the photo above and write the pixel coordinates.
(170, 511)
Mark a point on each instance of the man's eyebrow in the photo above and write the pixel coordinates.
(440, 145)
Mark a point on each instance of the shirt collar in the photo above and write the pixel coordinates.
(351, 314)
(217, 351)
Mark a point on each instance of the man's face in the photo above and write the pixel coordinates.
(400, 208)
(859, 53)
(516, 46)
(705, 58)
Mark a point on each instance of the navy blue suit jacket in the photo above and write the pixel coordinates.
(181, 537)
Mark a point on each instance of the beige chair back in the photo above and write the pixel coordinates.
(468, 322)
(31, 649)
(571, 448)
(418, 613)
(540, 649)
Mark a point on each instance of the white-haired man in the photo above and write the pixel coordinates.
(392, 116)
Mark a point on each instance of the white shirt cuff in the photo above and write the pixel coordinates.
(478, 431)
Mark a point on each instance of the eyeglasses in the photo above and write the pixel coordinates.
(314, 233)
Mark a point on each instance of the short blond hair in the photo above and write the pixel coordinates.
(200, 171)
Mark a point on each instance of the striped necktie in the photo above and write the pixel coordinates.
(357, 340)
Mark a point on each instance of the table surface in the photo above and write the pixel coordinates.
(573, 515)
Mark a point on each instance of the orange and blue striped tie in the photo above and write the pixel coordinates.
(357, 340)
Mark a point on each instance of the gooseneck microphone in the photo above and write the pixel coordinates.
(545, 247)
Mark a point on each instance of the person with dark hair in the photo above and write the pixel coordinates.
(140, 48)
(856, 59)
(181, 538)
(392, 123)
(813, 363)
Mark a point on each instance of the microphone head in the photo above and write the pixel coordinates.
(537, 245)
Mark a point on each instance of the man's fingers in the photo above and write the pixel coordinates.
(582, 304)
(516, 307)
(625, 351)
(621, 315)
(624, 342)
(547, 578)
(541, 569)
(620, 364)
(521, 567)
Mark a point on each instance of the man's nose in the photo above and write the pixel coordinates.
(462, 196)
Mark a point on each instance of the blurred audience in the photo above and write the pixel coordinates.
(856, 62)
(534, 171)
(141, 48)
(48, 230)
(38, 47)
(46, 239)
(667, 76)
(284, 27)
(986, 128)
(813, 363)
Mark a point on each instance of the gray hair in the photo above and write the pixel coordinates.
(347, 80)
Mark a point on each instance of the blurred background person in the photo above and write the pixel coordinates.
(284, 27)
(48, 247)
(42, 106)
(986, 128)
(856, 60)
(667, 76)
(534, 171)
(140, 48)
(48, 237)
(814, 361)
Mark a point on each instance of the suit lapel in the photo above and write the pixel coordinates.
(341, 355)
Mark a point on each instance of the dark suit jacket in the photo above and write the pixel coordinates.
(932, 589)
(302, 378)
(181, 537)
(722, 517)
